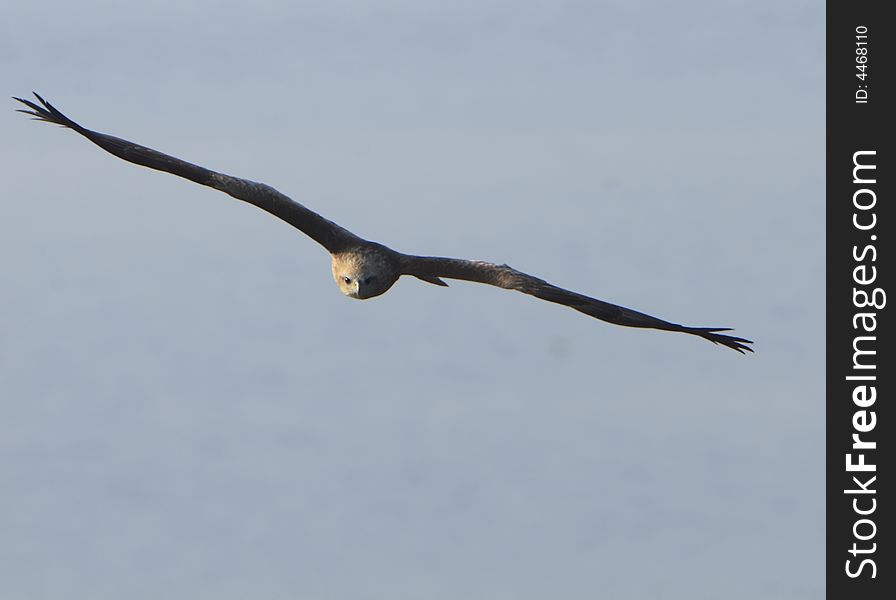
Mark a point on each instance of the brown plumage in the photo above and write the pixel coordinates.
(364, 269)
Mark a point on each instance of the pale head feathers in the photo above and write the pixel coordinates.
(364, 272)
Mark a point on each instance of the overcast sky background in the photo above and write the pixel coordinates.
(190, 409)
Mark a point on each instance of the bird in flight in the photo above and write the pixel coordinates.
(364, 269)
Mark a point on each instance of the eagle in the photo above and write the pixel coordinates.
(365, 269)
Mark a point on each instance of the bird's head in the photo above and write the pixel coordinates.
(361, 275)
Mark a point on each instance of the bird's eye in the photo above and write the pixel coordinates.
(347, 279)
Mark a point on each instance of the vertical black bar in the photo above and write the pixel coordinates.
(861, 371)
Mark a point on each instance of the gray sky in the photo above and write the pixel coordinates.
(190, 409)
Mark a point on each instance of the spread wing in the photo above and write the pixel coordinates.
(431, 269)
(328, 234)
